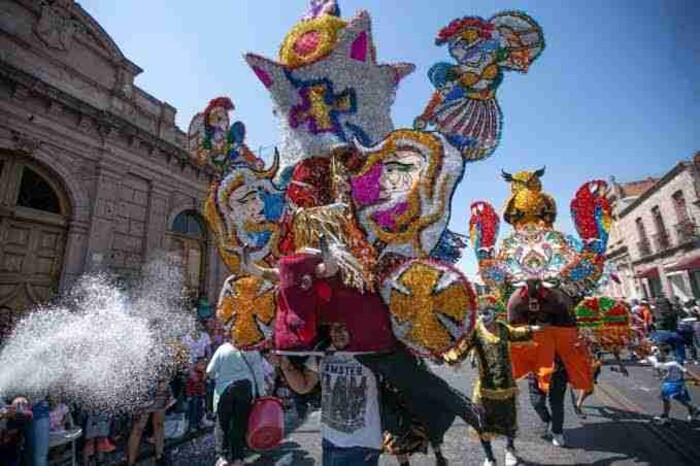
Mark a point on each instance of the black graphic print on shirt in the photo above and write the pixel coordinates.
(344, 396)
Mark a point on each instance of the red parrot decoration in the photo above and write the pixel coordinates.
(591, 212)
(483, 229)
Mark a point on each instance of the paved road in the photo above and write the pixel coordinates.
(617, 430)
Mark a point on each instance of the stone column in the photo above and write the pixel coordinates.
(74, 256)
(104, 215)
(156, 220)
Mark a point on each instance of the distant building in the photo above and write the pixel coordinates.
(93, 170)
(654, 242)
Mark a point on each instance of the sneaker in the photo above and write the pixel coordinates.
(663, 420)
(105, 446)
(221, 461)
(488, 462)
(558, 440)
(511, 459)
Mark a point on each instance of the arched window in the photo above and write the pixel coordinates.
(188, 241)
(35, 192)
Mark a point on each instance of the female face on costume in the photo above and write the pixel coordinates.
(472, 53)
(401, 171)
(246, 205)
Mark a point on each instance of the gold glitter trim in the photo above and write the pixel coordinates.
(325, 26)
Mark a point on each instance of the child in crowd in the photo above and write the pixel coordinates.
(673, 386)
(196, 391)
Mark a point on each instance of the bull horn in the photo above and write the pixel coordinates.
(506, 176)
(272, 171)
(540, 173)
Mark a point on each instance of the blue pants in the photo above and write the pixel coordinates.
(195, 410)
(350, 456)
(38, 432)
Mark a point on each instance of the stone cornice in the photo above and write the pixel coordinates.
(675, 171)
(107, 122)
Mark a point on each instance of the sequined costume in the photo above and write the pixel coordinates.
(495, 390)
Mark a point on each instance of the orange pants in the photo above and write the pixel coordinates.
(537, 356)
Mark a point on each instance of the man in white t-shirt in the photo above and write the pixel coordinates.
(352, 429)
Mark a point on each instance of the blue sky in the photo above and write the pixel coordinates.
(615, 92)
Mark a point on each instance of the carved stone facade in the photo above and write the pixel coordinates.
(70, 109)
(655, 239)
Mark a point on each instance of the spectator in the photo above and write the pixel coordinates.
(647, 315)
(161, 398)
(38, 434)
(673, 386)
(198, 342)
(352, 430)
(196, 391)
(97, 430)
(667, 315)
(235, 373)
(13, 417)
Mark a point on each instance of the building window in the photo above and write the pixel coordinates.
(36, 193)
(643, 244)
(679, 206)
(188, 242)
(685, 227)
(661, 238)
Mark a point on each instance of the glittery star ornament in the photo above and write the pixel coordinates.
(328, 88)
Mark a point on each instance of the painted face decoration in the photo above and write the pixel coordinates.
(402, 192)
(244, 210)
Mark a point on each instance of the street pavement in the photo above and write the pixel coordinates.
(618, 429)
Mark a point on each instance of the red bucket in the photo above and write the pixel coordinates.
(265, 424)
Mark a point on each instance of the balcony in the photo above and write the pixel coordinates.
(687, 231)
(644, 247)
(662, 241)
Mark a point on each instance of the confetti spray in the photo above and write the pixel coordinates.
(100, 344)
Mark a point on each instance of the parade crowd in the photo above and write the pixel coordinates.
(216, 386)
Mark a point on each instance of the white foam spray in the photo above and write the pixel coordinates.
(100, 345)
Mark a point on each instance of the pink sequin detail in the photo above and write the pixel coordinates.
(263, 76)
(365, 188)
(307, 43)
(358, 50)
(385, 218)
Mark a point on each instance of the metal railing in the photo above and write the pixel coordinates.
(662, 241)
(687, 231)
(644, 247)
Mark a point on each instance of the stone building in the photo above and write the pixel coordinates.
(655, 242)
(93, 170)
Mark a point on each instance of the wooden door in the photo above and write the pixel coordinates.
(33, 225)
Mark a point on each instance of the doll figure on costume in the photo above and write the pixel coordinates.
(464, 106)
(495, 390)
